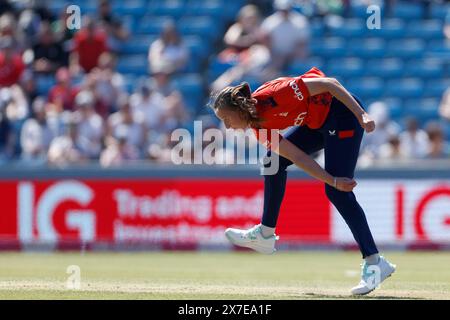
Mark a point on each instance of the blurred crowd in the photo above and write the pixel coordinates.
(90, 115)
(262, 47)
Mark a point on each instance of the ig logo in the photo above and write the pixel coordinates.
(74, 20)
(74, 280)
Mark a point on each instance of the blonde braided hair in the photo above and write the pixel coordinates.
(238, 98)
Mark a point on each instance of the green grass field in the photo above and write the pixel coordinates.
(218, 275)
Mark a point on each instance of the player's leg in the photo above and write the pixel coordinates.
(307, 140)
(342, 135)
(262, 238)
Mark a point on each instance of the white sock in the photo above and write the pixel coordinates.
(266, 231)
(372, 259)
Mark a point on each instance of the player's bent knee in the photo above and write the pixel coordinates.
(336, 196)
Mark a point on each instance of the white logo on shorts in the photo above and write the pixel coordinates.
(332, 133)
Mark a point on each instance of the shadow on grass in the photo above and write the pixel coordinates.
(351, 297)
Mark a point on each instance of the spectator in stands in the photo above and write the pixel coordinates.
(124, 119)
(392, 150)
(16, 110)
(6, 135)
(385, 130)
(64, 150)
(28, 84)
(118, 150)
(89, 43)
(287, 33)
(36, 134)
(168, 50)
(438, 148)
(57, 118)
(29, 21)
(447, 26)
(114, 28)
(48, 54)
(15, 103)
(444, 108)
(175, 110)
(147, 104)
(11, 64)
(242, 34)
(89, 83)
(89, 125)
(9, 28)
(63, 93)
(109, 84)
(414, 141)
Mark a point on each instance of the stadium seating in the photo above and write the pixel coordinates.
(405, 60)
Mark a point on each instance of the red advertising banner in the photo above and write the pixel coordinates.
(195, 212)
(156, 211)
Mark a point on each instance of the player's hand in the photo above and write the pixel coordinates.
(367, 123)
(345, 184)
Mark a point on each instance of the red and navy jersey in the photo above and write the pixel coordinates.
(286, 102)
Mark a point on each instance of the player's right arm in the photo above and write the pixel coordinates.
(320, 85)
(302, 160)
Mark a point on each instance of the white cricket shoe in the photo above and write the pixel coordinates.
(252, 238)
(373, 275)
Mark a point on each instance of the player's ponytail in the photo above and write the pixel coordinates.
(238, 98)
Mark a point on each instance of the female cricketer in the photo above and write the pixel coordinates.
(323, 115)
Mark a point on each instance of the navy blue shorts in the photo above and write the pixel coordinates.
(340, 136)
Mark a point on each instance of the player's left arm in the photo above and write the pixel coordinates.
(333, 86)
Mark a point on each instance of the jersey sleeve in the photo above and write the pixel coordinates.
(270, 138)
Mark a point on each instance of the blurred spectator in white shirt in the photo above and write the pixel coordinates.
(15, 103)
(287, 34)
(124, 119)
(109, 84)
(414, 141)
(444, 108)
(147, 104)
(391, 149)
(174, 109)
(118, 151)
(168, 50)
(9, 28)
(90, 125)
(36, 134)
(447, 26)
(438, 148)
(386, 128)
(64, 149)
(242, 34)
